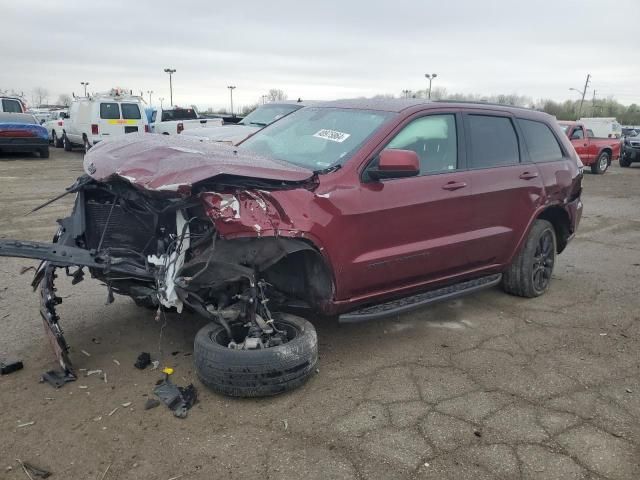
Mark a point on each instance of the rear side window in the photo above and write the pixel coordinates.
(109, 111)
(541, 142)
(130, 111)
(493, 141)
(12, 106)
(179, 114)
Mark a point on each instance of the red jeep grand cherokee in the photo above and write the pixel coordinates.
(357, 208)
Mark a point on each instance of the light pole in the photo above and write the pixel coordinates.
(264, 99)
(430, 78)
(406, 93)
(84, 84)
(161, 100)
(170, 71)
(231, 88)
(149, 92)
(582, 93)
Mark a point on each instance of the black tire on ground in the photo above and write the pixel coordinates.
(256, 373)
(602, 164)
(57, 142)
(529, 275)
(625, 161)
(44, 152)
(66, 143)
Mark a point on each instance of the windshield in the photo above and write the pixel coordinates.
(267, 114)
(179, 114)
(317, 138)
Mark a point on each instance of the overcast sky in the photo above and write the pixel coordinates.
(321, 50)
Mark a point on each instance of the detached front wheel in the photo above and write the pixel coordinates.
(256, 372)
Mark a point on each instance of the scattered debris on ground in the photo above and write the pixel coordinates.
(28, 424)
(143, 361)
(8, 367)
(151, 403)
(178, 399)
(33, 471)
(57, 378)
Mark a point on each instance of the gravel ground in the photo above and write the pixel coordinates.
(490, 386)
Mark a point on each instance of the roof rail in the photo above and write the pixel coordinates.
(476, 102)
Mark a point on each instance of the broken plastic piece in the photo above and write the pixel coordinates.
(57, 378)
(33, 471)
(178, 399)
(151, 403)
(167, 371)
(9, 367)
(143, 361)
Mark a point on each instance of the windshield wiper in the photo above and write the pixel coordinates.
(330, 169)
(259, 124)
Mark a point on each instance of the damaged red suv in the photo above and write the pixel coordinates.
(359, 209)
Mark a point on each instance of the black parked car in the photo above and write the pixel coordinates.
(630, 150)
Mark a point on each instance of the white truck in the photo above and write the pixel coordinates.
(55, 126)
(603, 127)
(98, 117)
(174, 120)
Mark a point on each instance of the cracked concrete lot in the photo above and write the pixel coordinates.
(487, 387)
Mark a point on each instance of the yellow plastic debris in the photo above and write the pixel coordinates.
(167, 370)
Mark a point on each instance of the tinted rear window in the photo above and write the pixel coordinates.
(493, 141)
(109, 111)
(179, 114)
(11, 106)
(17, 118)
(541, 142)
(130, 111)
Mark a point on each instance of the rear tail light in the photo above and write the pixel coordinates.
(180, 127)
(146, 129)
(94, 129)
(60, 123)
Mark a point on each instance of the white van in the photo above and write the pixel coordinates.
(603, 127)
(101, 116)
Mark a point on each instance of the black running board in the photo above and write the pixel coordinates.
(407, 304)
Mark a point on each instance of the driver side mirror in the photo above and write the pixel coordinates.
(396, 164)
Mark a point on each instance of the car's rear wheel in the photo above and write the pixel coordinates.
(529, 275)
(57, 142)
(259, 372)
(66, 143)
(601, 164)
(625, 161)
(44, 152)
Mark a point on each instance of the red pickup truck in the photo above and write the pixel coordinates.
(593, 151)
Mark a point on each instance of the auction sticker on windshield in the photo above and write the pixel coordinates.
(332, 135)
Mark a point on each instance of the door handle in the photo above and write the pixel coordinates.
(454, 185)
(528, 175)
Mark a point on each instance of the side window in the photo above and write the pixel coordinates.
(577, 134)
(130, 111)
(541, 142)
(434, 139)
(153, 116)
(109, 111)
(493, 142)
(12, 106)
(591, 135)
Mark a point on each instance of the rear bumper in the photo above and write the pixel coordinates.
(22, 144)
(574, 209)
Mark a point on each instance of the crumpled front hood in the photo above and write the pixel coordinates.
(225, 133)
(174, 163)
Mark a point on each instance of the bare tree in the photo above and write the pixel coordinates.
(275, 95)
(64, 99)
(247, 109)
(40, 96)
